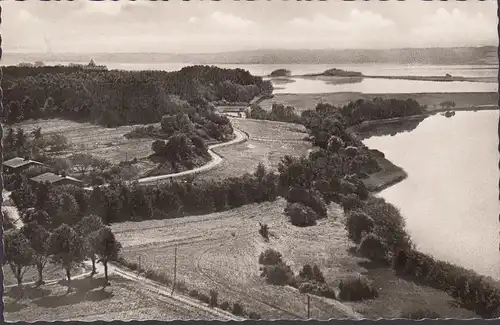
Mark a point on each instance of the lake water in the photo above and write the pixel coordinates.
(373, 86)
(383, 86)
(450, 198)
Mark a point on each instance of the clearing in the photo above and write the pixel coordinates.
(303, 102)
(268, 142)
(220, 251)
(99, 141)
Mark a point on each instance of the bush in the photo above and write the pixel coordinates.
(350, 202)
(194, 293)
(264, 231)
(237, 309)
(420, 314)
(254, 315)
(213, 298)
(181, 286)
(300, 215)
(357, 224)
(318, 289)
(278, 274)
(313, 273)
(204, 298)
(270, 257)
(224, 305)
(311, 198)
(357, 289)
(374, 248)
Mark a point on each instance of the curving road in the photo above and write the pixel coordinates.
(241, 137)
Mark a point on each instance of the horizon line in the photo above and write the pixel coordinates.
(263, 49)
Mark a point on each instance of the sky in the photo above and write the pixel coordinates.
(203, 26)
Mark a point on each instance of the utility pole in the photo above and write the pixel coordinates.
(308, 307)
(175, 269)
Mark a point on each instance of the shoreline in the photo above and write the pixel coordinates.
(404, 77)
(392, 174)
(303, 102)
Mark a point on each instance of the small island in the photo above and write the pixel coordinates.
(280, 73)
(336, 73)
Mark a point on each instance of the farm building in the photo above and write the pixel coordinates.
(17, 164)
(55, 179)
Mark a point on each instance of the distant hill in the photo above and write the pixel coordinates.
(437, 56)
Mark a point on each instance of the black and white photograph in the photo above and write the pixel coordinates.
(249, 160)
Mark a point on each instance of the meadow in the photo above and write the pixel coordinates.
(268, 142)
(220, 251)
(99, 141)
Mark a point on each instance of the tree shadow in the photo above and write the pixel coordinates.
(98, 295)
(84, 284)
(82, 290)
(352, 251)
(27, 292)
(14, 306)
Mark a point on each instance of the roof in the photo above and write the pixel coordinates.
(52, 178)
(20, 162)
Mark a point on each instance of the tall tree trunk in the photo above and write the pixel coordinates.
(105, 262)
(106, 279)
(19, 277)
(68, 276)
(94, 271)
(39, 267)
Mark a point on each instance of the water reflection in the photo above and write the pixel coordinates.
(383, 86)
(450, 198)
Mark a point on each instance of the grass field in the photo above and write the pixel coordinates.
(303, 102)
(269, 142)
(107, 143)
(123, 300)
(220, 251)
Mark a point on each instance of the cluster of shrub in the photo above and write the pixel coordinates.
(208, 126)
(311, 280)
(114, 98)
(39, 242)
(373, 224)
(187, 137)
(278, 112)
(35, 144)
(119, 202)
(212, 298)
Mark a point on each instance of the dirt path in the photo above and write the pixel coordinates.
(165, 293)
(214, 162)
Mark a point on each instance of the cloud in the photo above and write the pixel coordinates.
(455, 28)
(27, 17)
(356, 21)
(193, 20)
(231, 21)
(110, 8)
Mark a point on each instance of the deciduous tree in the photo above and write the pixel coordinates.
(107, 248)
(66, 247)
(18, 253)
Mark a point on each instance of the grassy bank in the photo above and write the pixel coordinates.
(388, 176)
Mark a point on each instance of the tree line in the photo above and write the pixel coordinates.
(114, 98)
